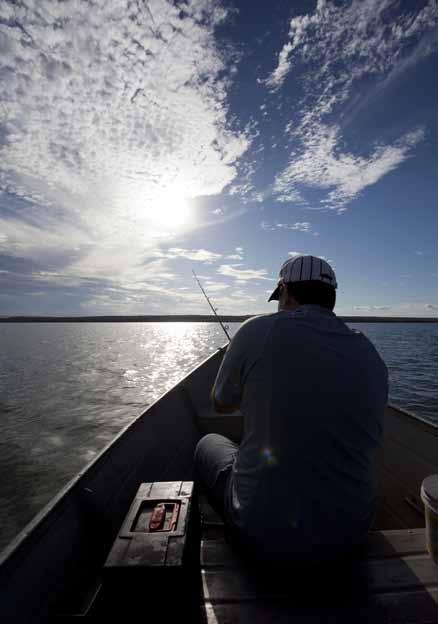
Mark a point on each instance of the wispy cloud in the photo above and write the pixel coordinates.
(199, 255)
(368, 308)
(341, 174)
(214, 287)
(349, 40)
(402, 309)
(109, 109)
(237, 255)
(243, 275)
(245, 186)
(336, 53)
(301, 226)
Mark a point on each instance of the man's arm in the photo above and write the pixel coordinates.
(228, 387)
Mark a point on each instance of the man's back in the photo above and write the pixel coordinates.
(313, 395)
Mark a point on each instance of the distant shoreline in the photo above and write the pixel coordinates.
(195, 318)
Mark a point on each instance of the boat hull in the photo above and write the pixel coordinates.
(51, 565)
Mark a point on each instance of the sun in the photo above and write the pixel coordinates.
(170, 209)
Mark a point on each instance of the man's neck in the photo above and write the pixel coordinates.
(288, 305)
(296, 305)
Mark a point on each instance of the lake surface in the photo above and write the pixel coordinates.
(66, 389)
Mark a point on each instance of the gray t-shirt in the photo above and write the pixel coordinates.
(312, 393)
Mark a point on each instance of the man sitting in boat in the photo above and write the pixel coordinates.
(301, 486)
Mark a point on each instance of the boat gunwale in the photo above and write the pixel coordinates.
(27, 532)
(417, 420)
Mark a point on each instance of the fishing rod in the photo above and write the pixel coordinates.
(224, 327)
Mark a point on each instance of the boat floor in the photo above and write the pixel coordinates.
(392, 579)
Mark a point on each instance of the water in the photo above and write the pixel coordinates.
(411, 354)
(67, 389)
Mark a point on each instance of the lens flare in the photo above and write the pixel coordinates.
(268, 457)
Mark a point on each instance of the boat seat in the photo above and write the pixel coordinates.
(391, 580)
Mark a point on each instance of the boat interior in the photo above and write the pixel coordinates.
(54, 566)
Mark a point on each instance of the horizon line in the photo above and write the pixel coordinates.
(120, 318)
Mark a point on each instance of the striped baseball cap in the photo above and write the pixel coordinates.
(304, 269)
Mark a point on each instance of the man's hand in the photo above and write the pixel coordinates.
(223, 408)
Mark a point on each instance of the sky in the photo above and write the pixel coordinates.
(143, 139)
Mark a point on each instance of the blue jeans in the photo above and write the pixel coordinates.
(214, 459)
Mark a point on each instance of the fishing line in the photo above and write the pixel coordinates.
(224, 327)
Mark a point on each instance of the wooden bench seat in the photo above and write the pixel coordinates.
(393, 580)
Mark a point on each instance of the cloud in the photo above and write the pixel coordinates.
(371, 307)
(402, 309)
(340, 54)
(302, 226)
(238, 255)
(290, 195)
(276, 79)
(341, 174)
(110, 112)
(199, 255)
(242, 275)
(245, 186)
(347, 41)
(213, 287)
